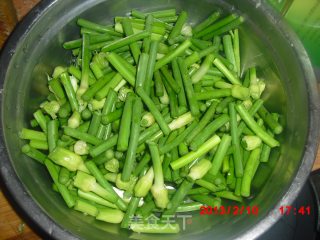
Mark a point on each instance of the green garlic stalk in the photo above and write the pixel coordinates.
(200, 169)
(67, 159)
(251, 142)
(52, 108)
(112, 165)
(144, 184)
(81, 148)
(158, 190)
(128, 186)
(75, 120)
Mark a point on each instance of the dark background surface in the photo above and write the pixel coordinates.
(11, 225)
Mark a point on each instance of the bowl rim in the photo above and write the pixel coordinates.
(44, 225)
(14, 190)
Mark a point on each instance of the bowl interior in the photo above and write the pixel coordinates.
(263, 44)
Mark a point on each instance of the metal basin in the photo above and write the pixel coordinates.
(35, 48)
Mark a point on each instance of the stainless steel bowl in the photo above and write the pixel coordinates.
(35, 48)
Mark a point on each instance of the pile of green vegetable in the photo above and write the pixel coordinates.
(155, 108)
